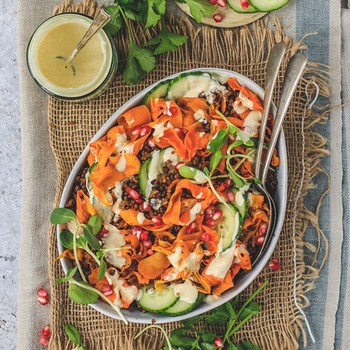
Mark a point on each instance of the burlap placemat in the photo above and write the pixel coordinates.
(245, 50)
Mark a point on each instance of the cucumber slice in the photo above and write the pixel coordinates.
(268, 5)
(241, 202)
(229, 227)
(237, 7)
(191, 84)
(154, 301)
(183, 307)
(143, 175)
(158, 91)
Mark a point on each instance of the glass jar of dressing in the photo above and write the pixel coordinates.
(91, 71)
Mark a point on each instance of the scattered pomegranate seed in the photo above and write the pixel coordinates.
(260, 241)
(151, 143)
(211, 222)
(178, 165)
(150, 252)
(247, 175)
(46, 332)
(146, 206)
(218, 343)
(218, 17)
(209, 211)
(148, 244)
(230, 196)
(221, 3)
(103, 233)
(245, 4)
(43, 340)
(136, 230)
(173, 110)
(144, 236)
(139, 200)
(213, 2)
(192, 227)
(145, 130)
(205, 237)
(263, 228)
(259, 282)
(217, 215)
(105, 288)
(227, 183)
(274, 264)
(136, 131)
(157, 220)
(43, 296)
(133, 194)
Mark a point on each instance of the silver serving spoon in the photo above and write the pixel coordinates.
(100, 20)
(294, 71)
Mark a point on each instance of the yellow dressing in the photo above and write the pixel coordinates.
(61, 40)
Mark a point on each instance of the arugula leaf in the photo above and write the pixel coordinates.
(73, 334)
(89, 236)
(200, 9)
(246, 345)
(167, 41)
(214, 161)
(81, 295)
(102, 269)
(62, 216)
(139, 60)
(155, 10)
(218, 140)
(66, 238)
(116, 22)
(95, 222)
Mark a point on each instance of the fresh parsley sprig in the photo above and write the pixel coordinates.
(74, 336)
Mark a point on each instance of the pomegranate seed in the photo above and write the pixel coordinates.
(139, 200)
(144, 236)
(46, 332)
(151, 143)
(205, 237)
(103, 233)
(43, 300)
(274, 264)
(218, 17)
(105, 288)
(42, 293)
(192, 227)
(245, 4)
(145, 130)
(136, 131)
(150, 252)
(178, 165)
(260, 241)
(146, 206)
(227, 183)
(157, 220)
(247, 175)
(221, 3)
(230, 196)
(211, 222)
(209, 211)
(217, 215)
(43, 340)
(213, 2)
(148, 244)
(263, 228)
(259, 282)
(173, 110)
(132, 193)
(218, 343)
(181, 132)
(136, 230)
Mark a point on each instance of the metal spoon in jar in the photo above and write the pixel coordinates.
(294, 71)
(101, 19)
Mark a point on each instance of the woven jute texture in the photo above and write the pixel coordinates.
(245, 50)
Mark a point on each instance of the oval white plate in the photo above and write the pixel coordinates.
(133, 314)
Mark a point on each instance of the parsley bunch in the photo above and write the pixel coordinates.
(142, 59)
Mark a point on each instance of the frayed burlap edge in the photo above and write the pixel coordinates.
(253, 41)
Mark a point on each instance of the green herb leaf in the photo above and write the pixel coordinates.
(66, 238)
(238, 182)
(214, 161)
(82, 295)
(231, 346)
(71, 272)
(252, 308)
(89, 235)
(167, 41)
(218, 316)
(191, 321)
(257, 181)
(208, 346)
(218, 140)
(231, 311)
(116, 22)
(102, 269)
(200, 9)
(155, 10)
(73, 334)
(247, 345)
(95, 222)
(60, 280)
(181, 340)
(100, 253)
(62, 216)
(82, 242)
(132, 73)
(207, 337)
